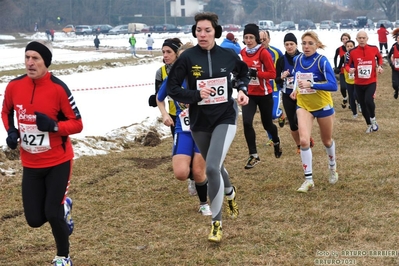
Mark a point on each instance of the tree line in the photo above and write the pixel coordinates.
(21, 15)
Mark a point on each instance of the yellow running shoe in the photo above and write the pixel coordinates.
(216, 232)
(232, 207)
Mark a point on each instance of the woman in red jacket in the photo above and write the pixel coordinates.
(382, 38)
(46, 115)
(261, 70)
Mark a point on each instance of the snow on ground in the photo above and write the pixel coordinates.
(113, 101)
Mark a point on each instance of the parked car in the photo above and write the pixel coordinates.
(364, 22)
(186, 29)
(83, 30)
(146, 29)
(306, 24)
(231, 27)
(328, 25)
(387, 24)
(267, 25)
(101, 28)
(286, 25)
(120, 29)
(347, 24)
(165, 28)
(68, 28)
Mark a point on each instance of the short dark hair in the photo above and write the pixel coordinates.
(212, 17)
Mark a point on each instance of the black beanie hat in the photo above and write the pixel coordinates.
(173, 44)
(290, 37)
(43, 49)
(254, 30)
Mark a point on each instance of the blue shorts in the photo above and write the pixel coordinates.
(324, 112)
(183, 143)
(149, 48)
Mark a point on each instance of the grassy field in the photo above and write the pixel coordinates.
(130, 210)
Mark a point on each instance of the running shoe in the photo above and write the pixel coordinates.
(232, 207)
(355, 116)
(344, 102)
(269, 143)
(306, 186)
(277, 150)
(251, 162)
(395, 95)
(62, 261)
(205, 210)
(333, 177)
(192, 190)
(68, 214)
(374, 124)
(369, 129)
(216, 232)
(281, 120)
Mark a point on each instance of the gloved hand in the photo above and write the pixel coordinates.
(12, 138)
(45, 123)
(253, 72)
(152, 101)
(337, 70)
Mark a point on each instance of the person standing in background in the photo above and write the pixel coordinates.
(52, 31)
(231, 42)
(261, 70)
(393, 60)
(36, 28)
(150, 43)
(339, 52)
(132, 42)
(48, 34)
(46, 115)
(97, 42)
(382, 38)
(313, 84)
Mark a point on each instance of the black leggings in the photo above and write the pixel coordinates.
(365, 96)
(43, 195)
(265, 104)
(383, 45)
(290, 109)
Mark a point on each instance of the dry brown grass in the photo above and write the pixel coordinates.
(129, 209)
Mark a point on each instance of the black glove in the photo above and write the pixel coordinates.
(45, 123)
(253, 72)
(12, 138)
(152, 101)
(337, 70)
(392, 66)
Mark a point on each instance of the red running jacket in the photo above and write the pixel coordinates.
(48, 95)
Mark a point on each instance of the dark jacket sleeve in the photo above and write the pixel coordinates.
(390, 54)
(279, 69)
(336, 57)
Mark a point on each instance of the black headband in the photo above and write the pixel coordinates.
(172, 44)
(44, 52)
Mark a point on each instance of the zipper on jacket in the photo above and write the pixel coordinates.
(210, 64)
(33, 92)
